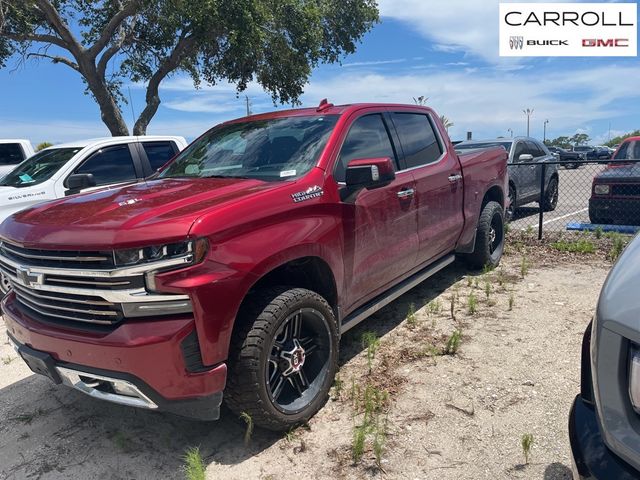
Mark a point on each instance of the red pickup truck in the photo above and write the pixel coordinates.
(241, 263)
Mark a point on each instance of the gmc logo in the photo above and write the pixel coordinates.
(610, 42)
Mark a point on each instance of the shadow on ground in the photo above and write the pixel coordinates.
(53, 432)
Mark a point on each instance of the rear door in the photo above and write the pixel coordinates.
(439, 185)
(523, 176)
(380, 229)
(156, 154)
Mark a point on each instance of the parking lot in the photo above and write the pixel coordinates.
(457, 416)
(573, 201)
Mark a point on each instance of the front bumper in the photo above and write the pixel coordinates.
(591, 457)
(621, 211)
(149, 355)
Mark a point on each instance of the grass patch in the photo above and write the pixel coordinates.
(412, 319)
(619, 244)
(193, 468)
(472, 304)
(527, 443)
(371, 342)
(582, 245)
(512, 300)
(248, 420)
(453, 343)
(372, 430)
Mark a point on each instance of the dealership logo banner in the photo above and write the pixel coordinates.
(568, 29)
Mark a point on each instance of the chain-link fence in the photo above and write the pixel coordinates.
(580, 195)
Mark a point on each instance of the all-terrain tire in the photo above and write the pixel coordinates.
(489, 238)
(261, 319)
(550, 201)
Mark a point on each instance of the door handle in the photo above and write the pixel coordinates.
(406, 193)
(455, 177)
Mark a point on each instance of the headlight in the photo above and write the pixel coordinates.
(193, 250)
(602, 189)
(634, 378)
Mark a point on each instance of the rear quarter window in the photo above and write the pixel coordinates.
(11, 154)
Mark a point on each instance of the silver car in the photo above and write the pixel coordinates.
(604, 423)
(526, 156)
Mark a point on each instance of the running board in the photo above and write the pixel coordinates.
(389, 296)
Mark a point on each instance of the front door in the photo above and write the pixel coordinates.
(380, 230)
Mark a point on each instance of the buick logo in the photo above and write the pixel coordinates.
(29, 279)
(516, 43)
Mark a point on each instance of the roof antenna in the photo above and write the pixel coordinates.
(324, 105)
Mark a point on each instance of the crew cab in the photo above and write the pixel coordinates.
(241, 263)
(615, 193)
(71, 168)
(526, 158)
(13, 152)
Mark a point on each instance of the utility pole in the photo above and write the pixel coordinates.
(544, 135)
(609, 132)
(246, 97)
(510, 130)
(528, 112)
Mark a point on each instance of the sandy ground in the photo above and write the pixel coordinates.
(456, 416)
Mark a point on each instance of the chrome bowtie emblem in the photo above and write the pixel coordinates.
(29, 279)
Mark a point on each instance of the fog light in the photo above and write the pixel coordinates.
(634, 378)
(602, 189)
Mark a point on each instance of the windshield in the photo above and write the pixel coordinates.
(628, 151)
(469, 146)
(39, 168)
(270, 150)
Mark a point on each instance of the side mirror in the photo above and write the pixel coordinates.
(525, 157)
(80, 181)
(369, 173)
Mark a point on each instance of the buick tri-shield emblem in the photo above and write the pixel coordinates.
(516, 43)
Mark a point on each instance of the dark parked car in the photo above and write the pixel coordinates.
(605, 416)
(615, 195)
(524, 180)
(568, 158)
(593, 153)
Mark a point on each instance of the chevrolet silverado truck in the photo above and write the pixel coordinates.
(238, 266)
(82, 166)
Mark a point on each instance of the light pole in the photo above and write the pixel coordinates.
(544, 135)
(528, 112)
(510, 131)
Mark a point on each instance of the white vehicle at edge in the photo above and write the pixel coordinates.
(82, 166)
(13, 152)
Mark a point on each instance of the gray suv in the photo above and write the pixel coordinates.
(604, 424)
(526, 156)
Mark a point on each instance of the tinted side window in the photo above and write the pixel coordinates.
(419, 141)
(367, 138)
(521, 149)
(10, 154)
(110, 165)
(159, 153)
(535, 150)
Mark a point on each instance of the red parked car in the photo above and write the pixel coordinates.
(239, 265)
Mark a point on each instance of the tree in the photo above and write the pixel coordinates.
(446, 122)
(109, 42)
(43, 145)
(619, 139)
(580, 139)
(562, 142)
(421, 100)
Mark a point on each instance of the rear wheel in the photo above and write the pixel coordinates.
(5, 286)
(550, 201)
(284, 357)
(489, 238)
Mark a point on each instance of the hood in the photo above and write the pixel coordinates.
(154, 212)
(622, 173)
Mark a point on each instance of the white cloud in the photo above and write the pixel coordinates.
(374, 62)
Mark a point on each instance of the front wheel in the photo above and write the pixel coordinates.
(284, 357)
(489, 238)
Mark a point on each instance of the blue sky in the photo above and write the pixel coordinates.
(446, 51)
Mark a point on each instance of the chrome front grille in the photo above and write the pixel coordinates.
(81, 291)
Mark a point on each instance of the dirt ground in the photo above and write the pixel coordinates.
(455, 416)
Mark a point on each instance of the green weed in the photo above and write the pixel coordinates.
(453, 343)
(576, 246)
(193, 468)
(527, 443)
(472, 304)
(249, 424)
(371, 342)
